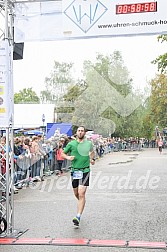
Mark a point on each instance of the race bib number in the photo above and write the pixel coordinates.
(77, 175)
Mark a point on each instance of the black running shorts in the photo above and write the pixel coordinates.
(84, 181)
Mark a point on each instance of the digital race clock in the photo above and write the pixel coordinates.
(136, 8)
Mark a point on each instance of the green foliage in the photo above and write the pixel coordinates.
(75, 91)
(105, 78)
(57, 84)
(161, 61)
(72, 94)
(64, 109)
(159, 100)
(148, 127)
(46, 96)
(26, 96)
(162, 38)
(97, 102)
(114, 71)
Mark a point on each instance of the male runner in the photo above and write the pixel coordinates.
(81, 155)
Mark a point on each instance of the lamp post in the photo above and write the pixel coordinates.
(43, 119)
(157, 131)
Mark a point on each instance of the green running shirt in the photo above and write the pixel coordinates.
(81, 152)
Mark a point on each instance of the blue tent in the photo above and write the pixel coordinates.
(65, 128)
(33, 132)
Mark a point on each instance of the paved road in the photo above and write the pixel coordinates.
(127, 200)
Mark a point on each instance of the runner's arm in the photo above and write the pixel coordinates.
(67, 149)
(92, 157)
(66, 156)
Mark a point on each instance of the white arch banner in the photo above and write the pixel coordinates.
(71, 19)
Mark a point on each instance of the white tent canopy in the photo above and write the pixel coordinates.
(30, 115)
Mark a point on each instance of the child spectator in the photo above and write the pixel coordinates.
(59, 158)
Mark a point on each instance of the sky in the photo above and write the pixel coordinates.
(38, 58)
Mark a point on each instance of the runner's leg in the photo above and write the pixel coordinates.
(75, 190)
(81, 202)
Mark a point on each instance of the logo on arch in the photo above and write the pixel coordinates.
(85, 13)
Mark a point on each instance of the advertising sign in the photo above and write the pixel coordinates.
(53, 20)
(6, 91)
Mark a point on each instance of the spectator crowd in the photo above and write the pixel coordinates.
(36, 157)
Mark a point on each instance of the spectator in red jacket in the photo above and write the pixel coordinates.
(59, 158)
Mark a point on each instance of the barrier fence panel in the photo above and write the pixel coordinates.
(6, 185)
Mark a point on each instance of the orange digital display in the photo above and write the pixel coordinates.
(136, 8)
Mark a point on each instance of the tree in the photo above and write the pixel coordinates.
(26, 96)
(66, 106)
(56, 85)
(156, 114)
(162, 59)
(159, 100)
(103, 101)
(46, 96)
(148, 126)
(101, 106)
